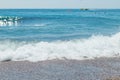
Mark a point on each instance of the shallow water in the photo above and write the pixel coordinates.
(38, 34)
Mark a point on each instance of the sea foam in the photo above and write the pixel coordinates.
(95, 46)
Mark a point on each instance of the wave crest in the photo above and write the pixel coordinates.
(9, 20)
(95, 46)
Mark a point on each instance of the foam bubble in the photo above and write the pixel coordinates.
(95, 46)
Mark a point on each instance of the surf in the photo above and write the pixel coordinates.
(9, 20)
(78, 49)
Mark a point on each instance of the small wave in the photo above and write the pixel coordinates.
(37, 25)
(20, 21)
(9, 20)
(95, 46)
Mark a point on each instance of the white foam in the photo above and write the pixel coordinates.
(9, 20)
(95, 46)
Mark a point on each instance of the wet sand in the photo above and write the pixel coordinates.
(97, 69)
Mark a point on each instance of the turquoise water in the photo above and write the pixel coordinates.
(49, 25)
(41, 34)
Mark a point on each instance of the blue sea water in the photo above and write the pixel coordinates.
(41, 34)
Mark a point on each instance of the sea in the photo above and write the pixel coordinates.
(46, 34)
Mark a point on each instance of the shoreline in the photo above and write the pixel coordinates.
(96, 69)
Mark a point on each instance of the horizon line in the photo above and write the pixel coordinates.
(59, 8)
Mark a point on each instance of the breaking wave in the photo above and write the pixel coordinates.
(20, 21)
(95, 46)
(9, 20)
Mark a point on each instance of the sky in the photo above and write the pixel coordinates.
(60, 4)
